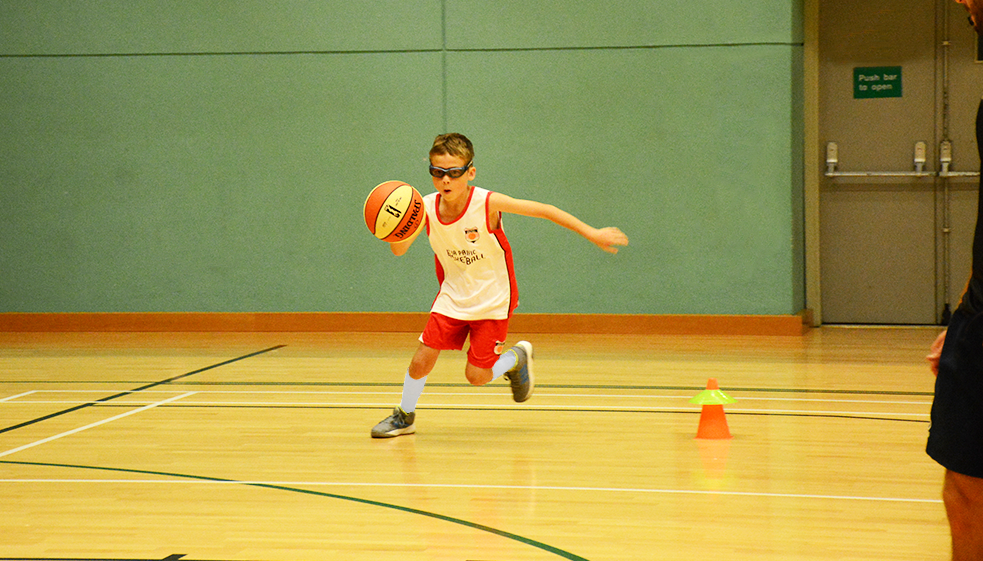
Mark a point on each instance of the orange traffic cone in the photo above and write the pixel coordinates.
(713, 422)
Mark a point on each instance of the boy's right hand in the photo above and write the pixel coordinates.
(401, 247)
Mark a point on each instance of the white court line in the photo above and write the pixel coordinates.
(485, 487)
(13, 397)
(93, 425)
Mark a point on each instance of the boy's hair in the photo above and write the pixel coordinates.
(453, 144)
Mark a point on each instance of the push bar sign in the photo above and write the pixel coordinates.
(881, 81)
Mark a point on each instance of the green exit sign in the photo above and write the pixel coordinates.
(879, 81)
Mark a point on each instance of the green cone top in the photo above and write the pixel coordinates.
(712, 395)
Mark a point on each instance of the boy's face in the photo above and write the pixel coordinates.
(451, 189)
(975, 8)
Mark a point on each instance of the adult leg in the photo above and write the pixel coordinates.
(963, 498)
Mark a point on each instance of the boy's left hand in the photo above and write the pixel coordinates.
(607, 238)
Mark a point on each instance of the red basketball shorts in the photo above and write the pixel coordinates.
(448, 334)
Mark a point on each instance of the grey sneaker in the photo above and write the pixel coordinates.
(400, 422)
(521, 376)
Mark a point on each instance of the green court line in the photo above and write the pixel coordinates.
(458, 521)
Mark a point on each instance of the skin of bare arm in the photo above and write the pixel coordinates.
(604, 238)
(400, 248)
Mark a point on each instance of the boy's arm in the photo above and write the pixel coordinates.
(605, 238)
(400, 248)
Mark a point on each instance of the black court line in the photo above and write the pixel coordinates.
(135, 390)
(538, 409)
(473, 525)
(171, 557)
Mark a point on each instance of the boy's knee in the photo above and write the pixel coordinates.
(423, 361)
(417, 367)
(477, 376)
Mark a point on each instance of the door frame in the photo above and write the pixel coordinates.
(811, 163)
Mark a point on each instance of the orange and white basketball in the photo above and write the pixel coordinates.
(394, 211)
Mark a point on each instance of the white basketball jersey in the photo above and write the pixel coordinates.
(474, 262)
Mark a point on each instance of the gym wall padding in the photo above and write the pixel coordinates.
(214, 156)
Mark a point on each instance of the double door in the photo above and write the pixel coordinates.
(899, 86)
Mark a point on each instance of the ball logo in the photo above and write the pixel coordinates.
(471, 234)
(416, 211)
(393, 210)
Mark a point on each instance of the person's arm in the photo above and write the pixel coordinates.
(935, 353)
(605, 238)
(400, 248)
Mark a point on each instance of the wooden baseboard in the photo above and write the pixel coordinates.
(624, 324)
(618, 324)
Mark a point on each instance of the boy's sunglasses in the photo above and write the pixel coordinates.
(453, 173)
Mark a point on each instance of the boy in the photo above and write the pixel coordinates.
(955, 437)
(477, 286)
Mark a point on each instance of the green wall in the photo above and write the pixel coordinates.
(214, 156)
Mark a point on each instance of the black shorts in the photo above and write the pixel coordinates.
(955, 438)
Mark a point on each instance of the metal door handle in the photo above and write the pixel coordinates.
(832, 159)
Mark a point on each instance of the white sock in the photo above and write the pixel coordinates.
(504, 364)
(412, 390)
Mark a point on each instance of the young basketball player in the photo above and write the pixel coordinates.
(477, 286)
(955, 438)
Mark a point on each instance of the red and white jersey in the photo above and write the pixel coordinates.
(474, 262)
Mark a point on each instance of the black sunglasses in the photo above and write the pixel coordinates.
(453, 173)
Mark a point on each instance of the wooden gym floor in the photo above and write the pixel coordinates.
(256, 447)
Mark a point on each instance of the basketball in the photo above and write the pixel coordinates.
(394, 211)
